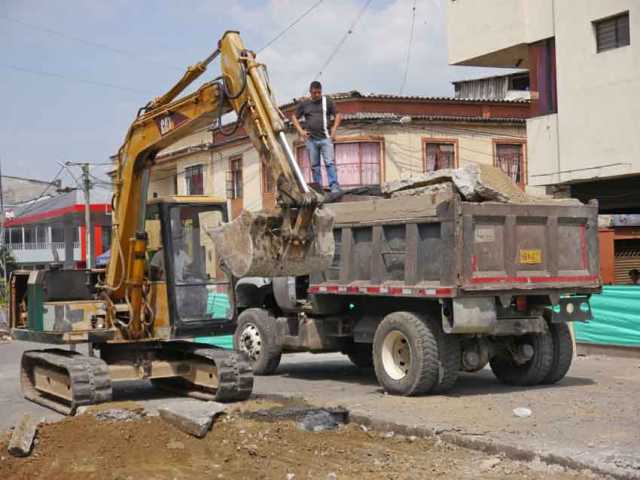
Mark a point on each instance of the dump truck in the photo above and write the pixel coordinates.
(424, 287)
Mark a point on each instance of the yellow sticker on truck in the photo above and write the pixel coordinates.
(531, 257)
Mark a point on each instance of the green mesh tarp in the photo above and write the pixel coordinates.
(616, 318)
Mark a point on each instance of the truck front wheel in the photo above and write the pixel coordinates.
(409, 355)
(256, 336)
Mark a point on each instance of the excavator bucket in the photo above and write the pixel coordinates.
(252, 245)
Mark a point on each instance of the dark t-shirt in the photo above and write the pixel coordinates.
(312, 113)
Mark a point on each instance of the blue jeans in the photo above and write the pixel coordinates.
(322, 147)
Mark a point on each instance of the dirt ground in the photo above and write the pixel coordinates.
(242, 445)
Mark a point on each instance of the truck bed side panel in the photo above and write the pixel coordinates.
(531, 246)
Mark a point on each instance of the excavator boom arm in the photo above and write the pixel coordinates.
(270, 245)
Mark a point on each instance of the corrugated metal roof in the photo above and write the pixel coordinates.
(355, 94)
(504, 75)
(46, 204)
(394, 117)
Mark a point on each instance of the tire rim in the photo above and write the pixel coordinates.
(396, 355)
(251, 341)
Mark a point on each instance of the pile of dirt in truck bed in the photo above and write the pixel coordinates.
(242, 445)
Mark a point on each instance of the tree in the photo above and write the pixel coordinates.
(7, 261)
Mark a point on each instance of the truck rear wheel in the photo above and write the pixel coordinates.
(511, 366)
(410, 355)
(361, 355)
(256, 336)
(562, 352)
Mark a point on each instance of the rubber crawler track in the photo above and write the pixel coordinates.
(234, 372)
(89, 379)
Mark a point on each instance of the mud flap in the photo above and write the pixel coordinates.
(252, 245)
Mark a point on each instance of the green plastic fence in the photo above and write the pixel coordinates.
(218, 305)
(616, 318)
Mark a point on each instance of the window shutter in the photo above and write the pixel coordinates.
(612, 32)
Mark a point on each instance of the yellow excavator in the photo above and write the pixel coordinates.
(174, 260)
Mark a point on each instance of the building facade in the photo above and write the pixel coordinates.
(50, 229)
(381, 138)
(584, 72)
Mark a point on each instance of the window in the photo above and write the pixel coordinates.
(29, 236)
(41, 236)
(16, 237)
(57, 233)
(439, 155)
(268, 183)
(519, 82)
(195, 180)
(234, 179)
(510, 159)
(612, 32)
(357, 163)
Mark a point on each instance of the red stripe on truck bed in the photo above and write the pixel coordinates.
(384, 290)
(560, 279)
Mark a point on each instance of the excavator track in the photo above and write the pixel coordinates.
(235, 376)
(64, 380)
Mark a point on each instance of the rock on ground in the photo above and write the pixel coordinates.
(319, 421)
(194, 417)
(23, 436)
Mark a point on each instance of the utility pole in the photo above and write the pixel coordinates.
(2, 245)
(86, 186)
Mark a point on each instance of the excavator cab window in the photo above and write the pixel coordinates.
(199, 291)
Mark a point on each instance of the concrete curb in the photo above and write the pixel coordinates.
(487, 446)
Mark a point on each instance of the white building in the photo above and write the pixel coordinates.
(583, 57)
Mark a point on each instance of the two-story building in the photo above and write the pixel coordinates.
(39, 232)
(381, 138)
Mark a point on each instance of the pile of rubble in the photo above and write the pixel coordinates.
(474, 183)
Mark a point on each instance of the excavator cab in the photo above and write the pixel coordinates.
(187, 281)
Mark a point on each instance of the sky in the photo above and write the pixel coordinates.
(73, 73)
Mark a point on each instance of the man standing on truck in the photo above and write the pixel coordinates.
(321, 121)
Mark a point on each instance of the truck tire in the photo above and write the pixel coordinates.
(532, 372)
(409, 355)
(256, 336)
(450, 351)
(562, 352)
(361, 355)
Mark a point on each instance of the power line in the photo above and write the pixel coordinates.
(292, 24)
(408, 59)
(42, 194)
(90, 43)
(72, 79)
(344, 38)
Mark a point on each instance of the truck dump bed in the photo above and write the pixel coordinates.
(440, 246)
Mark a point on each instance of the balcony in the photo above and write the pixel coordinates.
(41, 252)
(496, 33)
